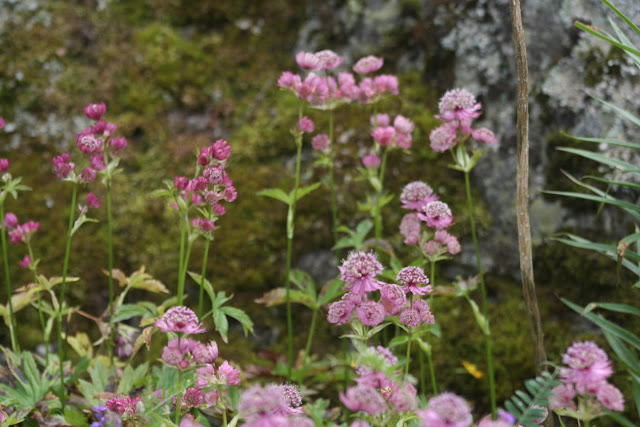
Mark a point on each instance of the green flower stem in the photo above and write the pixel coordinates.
(307, 348)
(224, 408)
(65, 266)
(432, 371)
(406, 366)
(291, 217)
(422, 373)
(332, 187)
(183, 237)
(112, 332)
(40, 313)
(205, 258)
(7, 278)
(483, 289)
(378, 207)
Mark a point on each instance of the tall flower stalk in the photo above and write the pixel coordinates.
(7, 276)
(458, 108)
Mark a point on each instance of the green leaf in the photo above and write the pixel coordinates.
(75, 418)
(241, 317)
(208, 288)
(127, 311)
(131, 376)
(399, 340)
(600, 158)
(275, 193)
(221, 323)
(303, 191)
(330, 292)
(607, 39)
(278, 296)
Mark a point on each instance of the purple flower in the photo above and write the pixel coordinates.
(363, 398)
(88, 175)
(393, 298)
(308, 61)
(610, 397)
(446, 410)
(588, 366)
(371, 161)
(1, 126)
(370, 313)
(358, 271)
(339, 312)
(443, 137)
(410, 228)
(437, 215)
(458, 104)
(95, 111)
(119, 143)
(181, 182)
(180, 319)
(321, 142)
(25, 262)
(412, 277)
(88, 143)
(193, 398)
(227, 374)
(4, 164)
(206, 225)
(563, 396)
(10, 220)
(306, 124)
(221, 150)
(189, 421)
(368, 64)
(97, 162)
(93, 201)
(410, 317)
(416, 194)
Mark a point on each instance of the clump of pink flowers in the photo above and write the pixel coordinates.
(458, 108)
(273, 405)
(585, 391)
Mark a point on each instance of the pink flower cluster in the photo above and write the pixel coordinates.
(446, 410)
(124, 406)
(211, 185)
(180, 319)
(358, 272)
(397, 135)
(184, 352)
(273, 405)
(97, 141)
(376, 392)
(585, 375)
(458, 108)
(325, 90)
(20, 232)
(421, 198)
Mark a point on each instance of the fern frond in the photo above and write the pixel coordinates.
(525, 405)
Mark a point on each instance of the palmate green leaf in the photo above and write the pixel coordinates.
(240, 316)
(128, 311)
(303, 281)
(131, 377)
(276, 193)
(278, 296)
(303, 191)
(329, 292)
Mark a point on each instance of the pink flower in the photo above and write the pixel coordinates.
(371, 161)
(393, 298)
(348, 86)
(610, 397)
(229, 194)
(309, 61)
(189, 421)
(363, 398)
(61, 159)
(368, 64)
(588, 366)
(4, 164)
(10, 220)
(181, 182)
(206, 376)
(446, 410)
(193, 398)
(88, 143)
(26, 262)
(227, 374)
(410, 228)
(453, 246)
(218, 209)
(221, 150)
(328, 59)
(314, 90)
(416, 194)
(124, 406)
(306, 124)
(321, 142)
(489, 422)
(259, 406)
(15, 236)
(119, 143)
(358, 271)
(458, 104)
(180, 319)
(412, 278)
(211, 197)
(214, 174)
(370, 313)
(437, 215)
(206, 225)
(379, 120)
(93, 201)
(205, 353)
(484, 135)
(386, 83)
(199, 184)
(384, 135)
(97, 162)
(403, 124)
(290, 81)
(95, 111)
(339, 312)
(443, 137)
(64, 170)
(88, 175)
(563, 396)
(410, 317)
(404, 399)
(1, 126)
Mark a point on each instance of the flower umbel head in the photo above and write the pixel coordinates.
(180, 319)
(359, 270)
